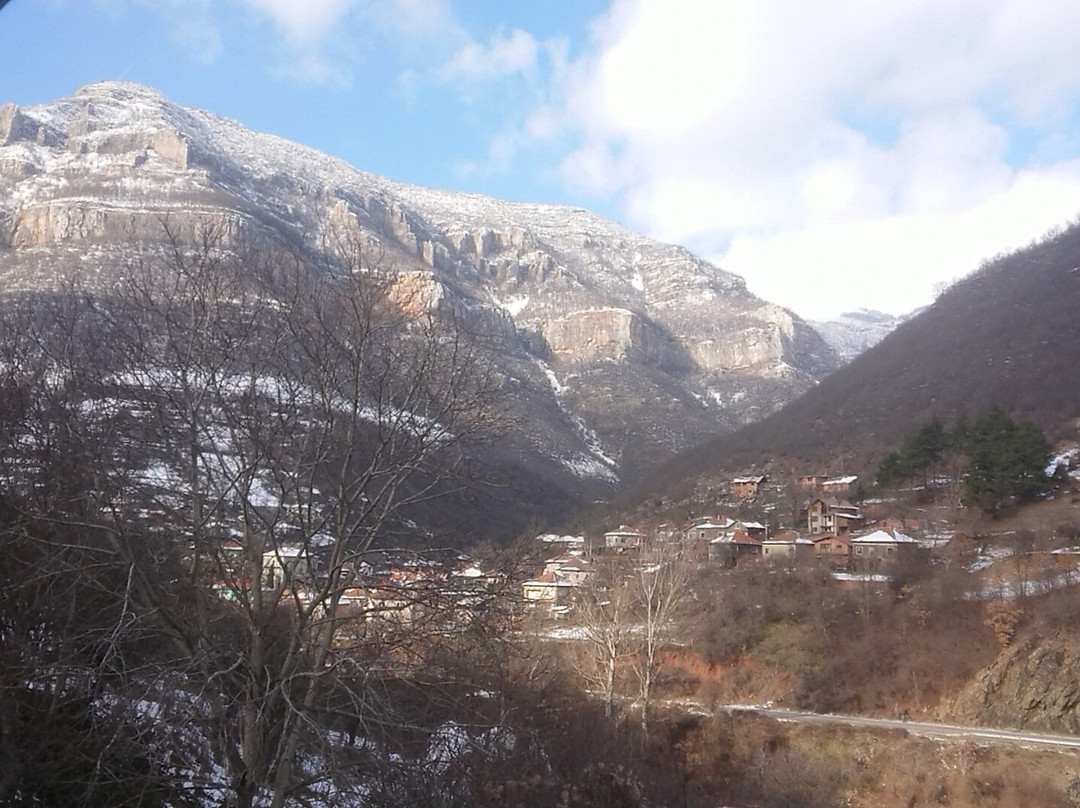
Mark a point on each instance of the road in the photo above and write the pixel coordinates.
(922, 728)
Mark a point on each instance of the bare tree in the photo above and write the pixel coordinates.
(246, 425)
(659, 590)
(604, 615)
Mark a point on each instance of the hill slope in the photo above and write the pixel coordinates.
(1007, 334)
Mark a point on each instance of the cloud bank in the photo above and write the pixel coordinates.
(834, 153)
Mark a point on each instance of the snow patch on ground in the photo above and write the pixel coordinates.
(515, 305)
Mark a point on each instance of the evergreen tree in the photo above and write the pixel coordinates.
(1005, 460)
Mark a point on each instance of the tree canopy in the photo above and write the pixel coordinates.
(1005, 459)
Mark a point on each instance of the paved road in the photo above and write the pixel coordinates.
(922, 728)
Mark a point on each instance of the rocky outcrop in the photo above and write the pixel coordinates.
(14, 125)
(1034, 684)
(80, 220)
(613, 334)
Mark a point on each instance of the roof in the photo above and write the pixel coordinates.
(710, 525)
(739, 480)
(841, 480)
(884, 537)
(828, 537)
(553, 538)
(753, 525)
(548, 579)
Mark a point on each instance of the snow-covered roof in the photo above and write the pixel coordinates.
(711, 526)
(841, 480)
(884, 537)
(743, 480)
(553, 538)
(753, 525)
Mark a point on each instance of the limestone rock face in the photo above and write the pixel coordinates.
(616, 334)
(617, 350)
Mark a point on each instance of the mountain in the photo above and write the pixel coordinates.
(855, 331)
(616, 351)
(1007, 334)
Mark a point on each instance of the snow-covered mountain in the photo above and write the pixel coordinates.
(619, 350)
(856, 331)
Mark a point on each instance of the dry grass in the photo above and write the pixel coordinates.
(754, 760)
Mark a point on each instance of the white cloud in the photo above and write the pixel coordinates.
(418, 21)
(501, 56)
(893, 263)
(817, 148)
(311, 68)
(303, 23)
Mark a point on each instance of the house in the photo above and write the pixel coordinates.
(556, 584)
(787, 545)
(708, 529)
(882, 547)
(755, 530)
(832, 549)
(569, 542)
(809, 481)
(838, 484)
(570, 567)
(746, 487)
(286, 565)
(548, 588)
(832, 515)
(732, 548)
(622, 539)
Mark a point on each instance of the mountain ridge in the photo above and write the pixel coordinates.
(620, 350)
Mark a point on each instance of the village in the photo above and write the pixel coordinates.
(852, 543)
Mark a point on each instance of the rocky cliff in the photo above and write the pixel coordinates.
(1034, 684)
(620, 350)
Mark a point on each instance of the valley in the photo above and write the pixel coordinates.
(318, 488)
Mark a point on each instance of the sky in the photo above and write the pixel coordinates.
(838, 154)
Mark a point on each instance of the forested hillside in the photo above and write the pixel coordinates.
(1008, 335)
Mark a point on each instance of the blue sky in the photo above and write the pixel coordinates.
(836, 154)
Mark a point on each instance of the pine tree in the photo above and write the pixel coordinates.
(1005, 460)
